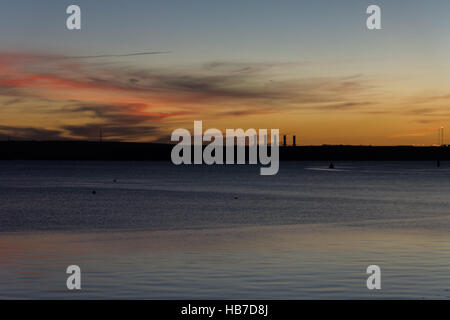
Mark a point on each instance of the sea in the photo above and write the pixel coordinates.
(153, 230)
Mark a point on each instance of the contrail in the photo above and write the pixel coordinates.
(116, 55)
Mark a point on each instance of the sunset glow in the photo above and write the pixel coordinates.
(303, 76)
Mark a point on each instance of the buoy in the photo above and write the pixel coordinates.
(331, 165)
(94, 192)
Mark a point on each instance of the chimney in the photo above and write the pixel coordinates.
(293, 143)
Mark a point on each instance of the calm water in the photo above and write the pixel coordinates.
(157, 231)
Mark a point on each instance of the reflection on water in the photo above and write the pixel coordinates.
(292, 262)
(206, 232)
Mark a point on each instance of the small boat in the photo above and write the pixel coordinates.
(331, 166)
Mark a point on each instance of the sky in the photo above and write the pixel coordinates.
(140, 69)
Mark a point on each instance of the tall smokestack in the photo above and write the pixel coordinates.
(284, 141)
(293, 143)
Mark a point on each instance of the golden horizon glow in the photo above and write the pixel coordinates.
(69, 98)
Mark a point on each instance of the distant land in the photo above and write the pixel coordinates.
(86, 150)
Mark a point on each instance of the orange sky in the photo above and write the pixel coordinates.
(59, 97)
(310, 68)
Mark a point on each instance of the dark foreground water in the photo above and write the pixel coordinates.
(157, 231)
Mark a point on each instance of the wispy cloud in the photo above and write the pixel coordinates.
(112, 132)
(414, 134)
(29, 133)
(134, 54)
(118, 96)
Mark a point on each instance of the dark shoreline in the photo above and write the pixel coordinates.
(88, 150)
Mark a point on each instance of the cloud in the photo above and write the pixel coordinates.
(215, 82)
(120, 113)
(13, 101)
(222, 82)
(149, 100)
(111, 132)
(416, 134)
(117, 122)
(343, 106)
(117, 55)
(247, 112)
(29, 133)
